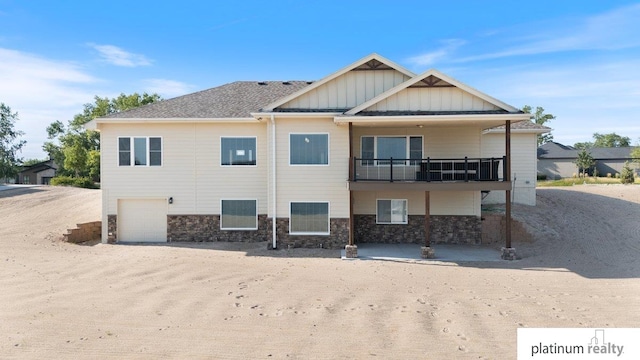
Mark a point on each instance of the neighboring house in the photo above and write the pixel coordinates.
(370, 153)
(558, 161)
(40, 173)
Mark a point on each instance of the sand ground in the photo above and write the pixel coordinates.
(240, 301)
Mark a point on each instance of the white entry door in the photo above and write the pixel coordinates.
(142, 220)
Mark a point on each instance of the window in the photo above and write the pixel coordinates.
(387, 147)
(146, 151)
(237, 151)
(310, 218)
(391, 211)
(239, 215)
(309, 149)
(25, 179)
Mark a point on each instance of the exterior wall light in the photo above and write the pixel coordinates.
(171, 200)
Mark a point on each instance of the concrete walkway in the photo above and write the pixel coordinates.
(411, 252)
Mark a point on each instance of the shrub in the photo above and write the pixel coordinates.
(617, 175)
(626, 175)
(608, 175)
(82, 182)
(542, 176)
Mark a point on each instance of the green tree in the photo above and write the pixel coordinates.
(584, 161)
(77, 150)
(610, 140)
(583, 145)
(626, 175)
(10, 142)
(540, 118)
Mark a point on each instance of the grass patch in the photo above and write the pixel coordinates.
(582, 181)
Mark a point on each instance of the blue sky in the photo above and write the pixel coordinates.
(580, 60)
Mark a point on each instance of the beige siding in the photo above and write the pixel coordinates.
(191, 171)
(432, 99)
(441, 203)
(348, 90)
(523, 165)
(313, 183)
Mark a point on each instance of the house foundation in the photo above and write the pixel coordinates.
(338, 236)
(444, 229)
(112, 229)
(206, 228)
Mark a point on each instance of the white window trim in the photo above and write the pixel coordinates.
(407, 148)
(312, 133)
(328, 232)
(391, 222)
(132, 151)
(239, 137)
(240, 229)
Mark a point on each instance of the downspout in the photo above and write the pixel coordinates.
(274, 207)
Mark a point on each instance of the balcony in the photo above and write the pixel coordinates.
(429, 174)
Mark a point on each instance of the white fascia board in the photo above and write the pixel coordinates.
(342, 71)
(424, 75)
(427, 118)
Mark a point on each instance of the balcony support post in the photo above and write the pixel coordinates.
(508, 253)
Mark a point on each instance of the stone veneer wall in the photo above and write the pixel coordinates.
(447, 229)
(112, 229)
(207, 228)
(338, 236)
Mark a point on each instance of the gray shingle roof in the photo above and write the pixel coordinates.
(553, 150)
(234, 100)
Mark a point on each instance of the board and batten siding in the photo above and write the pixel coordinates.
(190, 171)
(523, 166)
(440, 202)
(432, 99)
(314, 182)
(348, 90)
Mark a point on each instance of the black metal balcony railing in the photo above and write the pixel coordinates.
(410, 170)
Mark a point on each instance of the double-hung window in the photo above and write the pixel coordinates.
(391, 211)
(309, 218)
(309, 149)
(238, 214)
(139, 151)
(405, 150)
(237, 151)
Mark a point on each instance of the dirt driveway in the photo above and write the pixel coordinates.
(238, 301)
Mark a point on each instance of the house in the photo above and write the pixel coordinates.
(38, 174)
(370, 153)
(558, 161)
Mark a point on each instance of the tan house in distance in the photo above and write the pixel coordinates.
(370, 153)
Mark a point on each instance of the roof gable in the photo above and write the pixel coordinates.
(433, 91)
(347, 87)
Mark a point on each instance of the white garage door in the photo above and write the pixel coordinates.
(142, 220)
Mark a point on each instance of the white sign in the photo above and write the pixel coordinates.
(578, 343)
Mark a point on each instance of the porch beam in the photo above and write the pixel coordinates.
(507, 178)
(427, 220)
(351, 172)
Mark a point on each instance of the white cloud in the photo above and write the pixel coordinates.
(426, 59)
(119, 57)
(167, 88)
(41, 91)
(613, 30)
